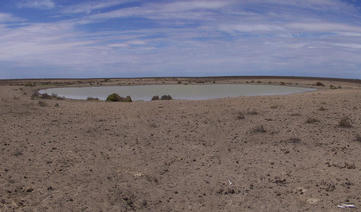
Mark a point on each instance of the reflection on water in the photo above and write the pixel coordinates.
(187, 92)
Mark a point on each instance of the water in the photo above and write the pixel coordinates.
(186, 92)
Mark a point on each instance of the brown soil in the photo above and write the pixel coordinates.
(272, 153)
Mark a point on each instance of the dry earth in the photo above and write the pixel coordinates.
(273, 153)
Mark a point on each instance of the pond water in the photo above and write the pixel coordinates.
(186, 92)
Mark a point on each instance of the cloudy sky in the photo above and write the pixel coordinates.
(134, 38)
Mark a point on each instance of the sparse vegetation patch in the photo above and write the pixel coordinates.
(155, 98)
(92, 99)
(345, 122)
(42, 104)
(166, 97)
(116, 98)
(259, 129)
(358, 138)
(319, 84)
(312, 121)
(240, 116)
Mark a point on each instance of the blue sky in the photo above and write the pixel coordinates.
(132, 38)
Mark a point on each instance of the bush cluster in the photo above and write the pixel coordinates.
(116, 98)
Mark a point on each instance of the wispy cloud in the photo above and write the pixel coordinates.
(213, 37)
(89, 7)
(8, 18)
(37, 4)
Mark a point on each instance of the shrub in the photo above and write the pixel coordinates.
(45, 96)
(92, 99)
(259, 129)
(319, 84)
(294, 140)
(274, 107)
(312, 120)
(358, 138)
(42, 104)
(345, 122)
(252, 112)
(113, 98)
(166, 97)
(126, 99)
(155, 98)
(35, 95)
(322, 108)
(333, 87)
(30, 84)
(240, 116)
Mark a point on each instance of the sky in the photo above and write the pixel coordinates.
(134, 38)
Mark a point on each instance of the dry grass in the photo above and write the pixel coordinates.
(252, 112)
(312, 121)
(240, 116)
(42, 104)
(358, 138)
(259, 129)
(322, 109)
(345, 122)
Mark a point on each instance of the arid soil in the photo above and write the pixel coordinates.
(271, 153)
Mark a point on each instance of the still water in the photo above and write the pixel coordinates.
(186, 92)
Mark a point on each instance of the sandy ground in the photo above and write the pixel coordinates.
(273, 153)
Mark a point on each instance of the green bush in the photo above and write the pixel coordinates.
(116, 98)
(113, 98)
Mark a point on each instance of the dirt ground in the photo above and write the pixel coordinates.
(299, 152)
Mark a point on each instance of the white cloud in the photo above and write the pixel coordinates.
(324, 27)
(89, 7)
(37, 4)
(6, 18)
(348, 45)
(175, 10)
(222, 37)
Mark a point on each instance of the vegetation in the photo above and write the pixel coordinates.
(155, 98)
(319, 84)
(116, 98)
(240, 116)
(334, 87)
(322, 108)
(113, 98)
(294, 140)
(92, 99)
(259, 129)
(166, 97)
(345, 122)
(358, 138)
(42, 104)
(312, 120)
(45, 96)
(252, 112)
(30, 84)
